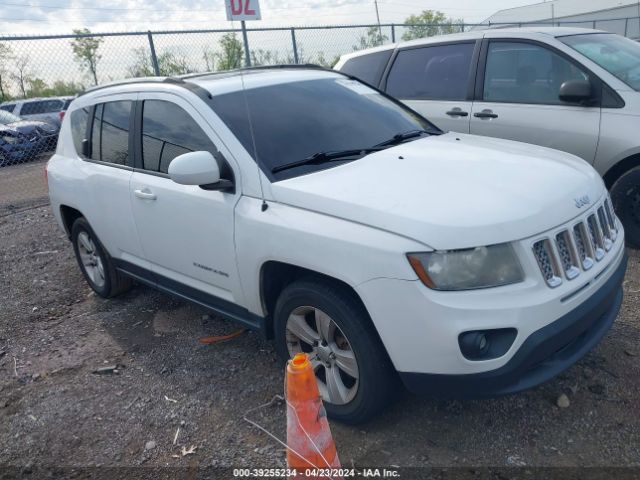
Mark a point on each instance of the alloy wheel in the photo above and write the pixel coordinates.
(312, 331)
(91, 260)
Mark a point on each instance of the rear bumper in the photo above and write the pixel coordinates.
(543, 355)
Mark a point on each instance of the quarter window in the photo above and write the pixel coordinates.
(526, 73)
(79, 120)
(110, 132)
(431, 73)
(169, 131)
(7, 108)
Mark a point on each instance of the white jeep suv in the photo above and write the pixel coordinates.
(311, 207)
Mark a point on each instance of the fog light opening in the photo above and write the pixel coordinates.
(486, 344)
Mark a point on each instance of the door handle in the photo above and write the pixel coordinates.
(485, 114)
(145, 194)
(457, 112)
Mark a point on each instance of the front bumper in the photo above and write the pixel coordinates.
(544, 354)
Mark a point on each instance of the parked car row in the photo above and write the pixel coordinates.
(24, 140)
(570, 89)
(50, 110)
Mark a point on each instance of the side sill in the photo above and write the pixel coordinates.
(219, 306)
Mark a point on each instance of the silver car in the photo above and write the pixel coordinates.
(572, 89)
(50, 110)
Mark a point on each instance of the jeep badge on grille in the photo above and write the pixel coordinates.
(582, 201)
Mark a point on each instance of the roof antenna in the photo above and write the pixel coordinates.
(265, 205)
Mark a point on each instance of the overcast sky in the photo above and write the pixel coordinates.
(60, 16)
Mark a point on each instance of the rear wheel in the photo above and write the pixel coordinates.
(625, 196)
(354, 374)
(96, 265)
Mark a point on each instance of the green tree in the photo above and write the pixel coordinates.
(372, 38)
(6, 55)
(85, 51)
(169, 64)
(324, 61)
(230, 56)
(37, 87)
(22, 73)
(61, 88)
(430, 23)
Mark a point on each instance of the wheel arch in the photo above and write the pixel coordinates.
(275, 276)
(620, 168)
(69, 215)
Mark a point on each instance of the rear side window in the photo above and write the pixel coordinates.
(440, 72)
(110, 132)
(8, 108)
(42, 106)
(79, 120)
(368, 68)
(169, 131)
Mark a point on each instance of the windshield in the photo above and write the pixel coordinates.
(618, 55)
(6, 117)
(296, 120)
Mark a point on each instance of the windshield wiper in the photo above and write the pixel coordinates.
(401, 137)
(325, 157)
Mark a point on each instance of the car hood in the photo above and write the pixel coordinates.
(28, 126)
(451, 191)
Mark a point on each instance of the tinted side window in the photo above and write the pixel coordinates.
(368, 68)
(43, 106)
(79, 119)
(169, 131)
(7, 108)
(431, 73)
(115, 132)
(526, 73)
(32, 108)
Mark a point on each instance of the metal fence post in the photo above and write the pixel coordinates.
(393, 33)
(245, 39)
(294, 44)
(154, 58)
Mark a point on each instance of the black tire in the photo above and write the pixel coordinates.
(377, 377)
(114, 282)
(625, 196)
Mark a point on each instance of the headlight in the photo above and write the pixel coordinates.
(480, 267)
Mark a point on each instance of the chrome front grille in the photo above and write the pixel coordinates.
(577, 248)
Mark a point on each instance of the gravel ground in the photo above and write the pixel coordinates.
(55, 411)
(23, 186)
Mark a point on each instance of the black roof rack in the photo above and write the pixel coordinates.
(182, 80)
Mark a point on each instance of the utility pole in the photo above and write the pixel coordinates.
(375, 2)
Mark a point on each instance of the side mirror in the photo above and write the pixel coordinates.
(195, 168)
(575, 91)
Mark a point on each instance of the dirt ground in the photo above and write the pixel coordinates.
(22, 185)
(55, 410)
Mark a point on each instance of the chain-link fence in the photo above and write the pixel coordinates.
(39, 75)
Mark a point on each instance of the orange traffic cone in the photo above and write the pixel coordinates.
(309, 441)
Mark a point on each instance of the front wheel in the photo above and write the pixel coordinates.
(625, 196)
(355, 377)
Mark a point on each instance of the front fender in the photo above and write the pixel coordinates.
(348, 251)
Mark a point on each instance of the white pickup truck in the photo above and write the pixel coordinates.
(311, 207)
